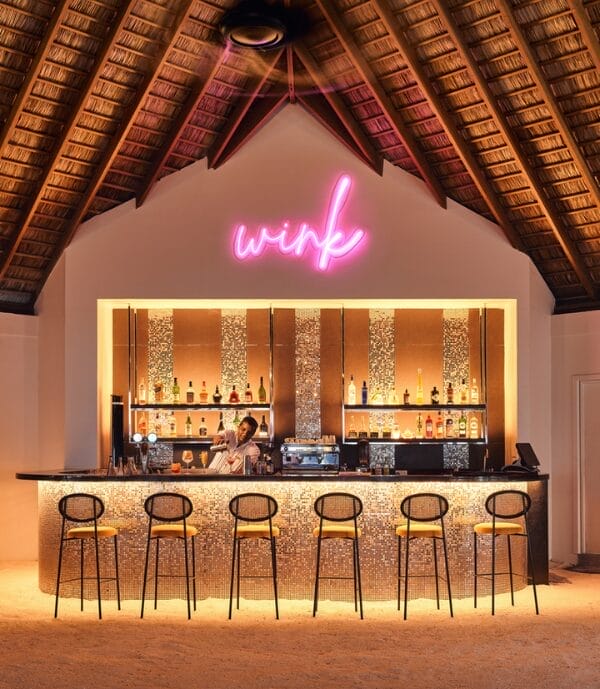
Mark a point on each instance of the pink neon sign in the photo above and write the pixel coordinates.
(333, 244)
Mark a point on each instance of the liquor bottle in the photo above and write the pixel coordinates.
(142, 392)
(439, 426)
(392, 398)
(364, 393)
(263, 428)
(190, 394)
(386, 431)
(234, 398)
(351, 391)
(172, 425)
(377, 397)
(352, 433)
(474, 392)
(419, 433)
(419, 393)
(435, 395)
(158, 391)
(262, 393)
(203, 430)
(175, 391)
(217, 396)
(450, 394)
(203, 393)
(221, 426)
(188, 427)
(406, 396)
(157, 425)
(462, 425)
(428, 427)
(464, 392)
(362, 431)
(396, 431)
(473, 427)
(248, 394)
(142, 424)
(236, 420)
(449, 426)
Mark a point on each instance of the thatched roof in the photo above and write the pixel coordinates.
(493, 103)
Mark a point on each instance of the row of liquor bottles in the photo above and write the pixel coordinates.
(167, 425)
(457, 393)
(156, 394)
(439, 427)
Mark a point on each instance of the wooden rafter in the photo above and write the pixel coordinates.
(254, 87)
(67, 131)
(368, 152)
(337, 26)
(441, 112)
(554, 220)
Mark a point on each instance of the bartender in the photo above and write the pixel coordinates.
(237, 444)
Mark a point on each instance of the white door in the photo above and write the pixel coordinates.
(589, 463)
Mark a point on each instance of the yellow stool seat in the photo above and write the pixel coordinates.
(257, 531)
(173, 531)
(89, 532)
(419, 530)
(504, 528)
(336, 531)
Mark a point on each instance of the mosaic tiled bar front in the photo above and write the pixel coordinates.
(296, 546)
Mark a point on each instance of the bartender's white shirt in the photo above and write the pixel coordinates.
(219, 462)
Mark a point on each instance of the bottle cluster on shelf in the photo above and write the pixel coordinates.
(451, 425)
(156, 393)
(458, 392)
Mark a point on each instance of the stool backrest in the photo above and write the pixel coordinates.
(253, 507)
(81, 507)
(508, 504)
(424, 507)
(168, 507)
(338, 507)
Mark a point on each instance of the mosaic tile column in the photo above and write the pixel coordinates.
(382, 379)
(455, 368)
(308, 373)
(160, 370)
(234, 356)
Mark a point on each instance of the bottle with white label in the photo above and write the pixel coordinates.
(474, 392)
(351, 391)
(142, 392)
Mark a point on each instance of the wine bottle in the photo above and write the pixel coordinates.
(419, 393)
(221, 426)
(203, 430)
(172, 425)
(203, 393)
(248, 394)
(464, 392)
(474, 392)
(462, 425)
(190, 394)
(217, 396)
(364, 393)
(142, 392)
(262, 393)
(428, 427)
(236, 420)
(175, 391)
(263, 428)
(351, 391)
(439, 426)
(188, 426)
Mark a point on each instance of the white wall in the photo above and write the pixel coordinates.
(178, 245)
(575, 352)
(19, 433)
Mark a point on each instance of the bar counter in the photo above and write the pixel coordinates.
(124, 498)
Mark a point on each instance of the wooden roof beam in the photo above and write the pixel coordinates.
(384, 102)
(349, 122)
(76, 112)
(254, 87)
(437, 105)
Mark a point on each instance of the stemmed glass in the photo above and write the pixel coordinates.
(187, 457)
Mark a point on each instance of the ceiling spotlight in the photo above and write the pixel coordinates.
(254, 24)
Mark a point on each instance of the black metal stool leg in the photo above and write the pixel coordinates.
(193, 541)
(359, 579)
(399, 568)
(96, 548)
(510, 570)
(59, 569)
(475, 575)
(316, 597)
(239, 573)
(274, 570)
(117, 574)
(156, 574)
(233, 558)
(406, 577)
(436, 572)
(81, 555)
(531, 565)
(447, 572)
(187, 575)
(494, 538)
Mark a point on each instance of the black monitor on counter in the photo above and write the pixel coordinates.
(527, 455)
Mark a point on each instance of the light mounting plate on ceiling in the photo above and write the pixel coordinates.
(255, 24)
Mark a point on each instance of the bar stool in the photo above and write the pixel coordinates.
(421, 511)
(80, 509)
(253, 519)
(502, 505)
(337, 514)
(168, 514)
